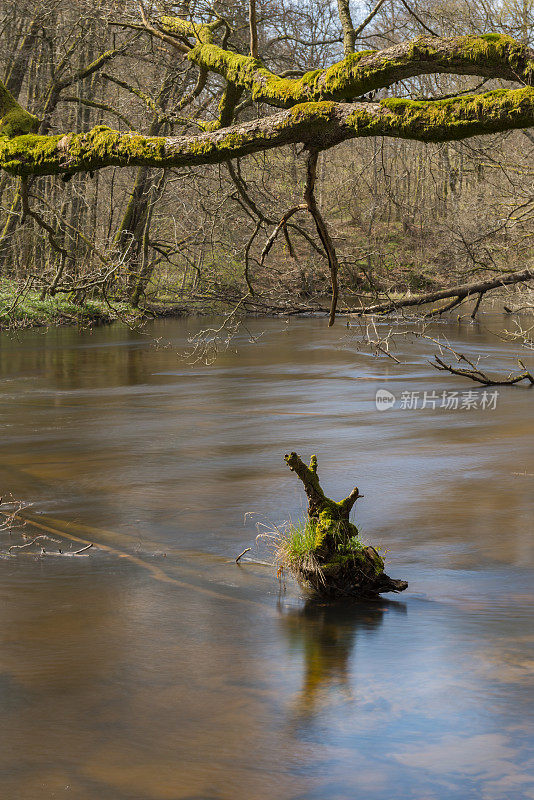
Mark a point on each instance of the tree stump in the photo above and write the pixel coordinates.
(335, 562)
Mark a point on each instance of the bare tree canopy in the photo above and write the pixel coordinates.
(160, 152)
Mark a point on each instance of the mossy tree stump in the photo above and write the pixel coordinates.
(337, 563)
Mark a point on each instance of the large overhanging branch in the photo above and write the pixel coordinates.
(489, 55)
(316, 125)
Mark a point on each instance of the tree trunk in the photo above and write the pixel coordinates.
(337, 564)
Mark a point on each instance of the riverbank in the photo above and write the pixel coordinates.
(24, 308)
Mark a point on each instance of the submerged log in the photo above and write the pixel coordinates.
(328, 556)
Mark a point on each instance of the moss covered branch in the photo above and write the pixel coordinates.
(14, 120)
(317, 125)
(318, 503)
(185, 29)
(488, 56)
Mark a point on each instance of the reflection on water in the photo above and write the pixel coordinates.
(326, 635)
(156, 669)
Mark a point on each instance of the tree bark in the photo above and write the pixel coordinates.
(488, 56)
(459, 292)
(317, 125)
(349, 34)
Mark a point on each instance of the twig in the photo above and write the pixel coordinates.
(419, 20)
(28, 544)
(246, 550)
(368, 18)
(478, 376)
(82, 550)
(281, 225)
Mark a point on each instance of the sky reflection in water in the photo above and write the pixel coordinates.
(182, 676)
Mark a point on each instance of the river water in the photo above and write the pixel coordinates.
(152, 667)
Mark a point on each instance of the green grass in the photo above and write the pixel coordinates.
(299, 541)
(294, 548)
(21, 309)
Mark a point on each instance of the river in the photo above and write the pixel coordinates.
(152, 667)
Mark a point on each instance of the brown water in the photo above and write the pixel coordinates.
(157, 669)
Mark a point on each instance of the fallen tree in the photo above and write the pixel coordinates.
(457, 293)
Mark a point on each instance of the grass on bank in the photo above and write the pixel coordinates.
(21, 308)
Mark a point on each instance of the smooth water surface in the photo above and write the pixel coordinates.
(155, 668)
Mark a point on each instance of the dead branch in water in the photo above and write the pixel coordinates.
(11, 516)
(81, 550)
(246, 550)
(28, 544)
(477, 375)
(14, 518)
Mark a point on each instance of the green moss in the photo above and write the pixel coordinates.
(14, 120)
(28, 154)
(360, 555)
(329, 521)
(105, 142)
(17, 122)
(493, 55)
(308, 112)
(447, 120)
(203, 32)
